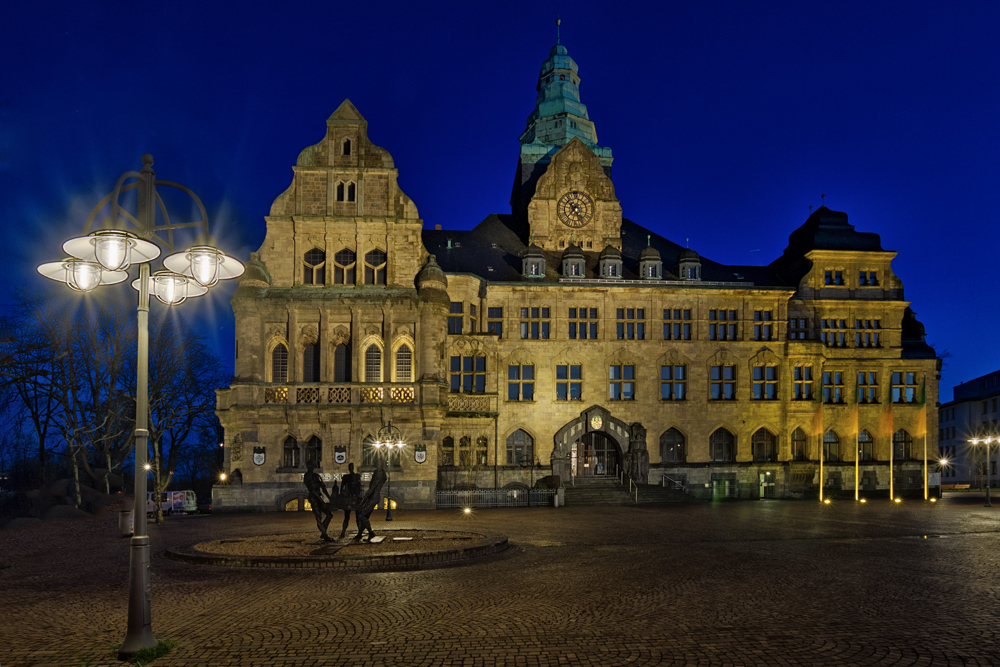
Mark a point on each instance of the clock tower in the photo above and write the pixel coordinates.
(559, 120)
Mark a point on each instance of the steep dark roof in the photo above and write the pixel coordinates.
(493, 251)
(823, 230)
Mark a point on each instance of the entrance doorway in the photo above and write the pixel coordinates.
(595, 454)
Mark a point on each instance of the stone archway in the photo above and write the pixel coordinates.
(593, 420)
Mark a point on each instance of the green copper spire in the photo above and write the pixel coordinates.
(559, 115)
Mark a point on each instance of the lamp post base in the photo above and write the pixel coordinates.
(139, 634)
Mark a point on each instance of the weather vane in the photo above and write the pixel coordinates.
(558, 21)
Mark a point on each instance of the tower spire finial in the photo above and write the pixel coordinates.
(558, 22)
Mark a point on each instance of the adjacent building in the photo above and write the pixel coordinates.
(971, 416)
(561, 341)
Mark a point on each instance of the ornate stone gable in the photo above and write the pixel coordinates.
(575, 202)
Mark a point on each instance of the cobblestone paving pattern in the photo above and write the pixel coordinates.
(765, 583)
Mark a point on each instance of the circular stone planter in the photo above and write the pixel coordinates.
(398, 550)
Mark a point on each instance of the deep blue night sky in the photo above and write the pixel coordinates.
(727, 121)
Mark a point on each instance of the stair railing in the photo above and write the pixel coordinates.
(673, 481)
(621, 475)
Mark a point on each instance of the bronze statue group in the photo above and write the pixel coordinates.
(347, 496)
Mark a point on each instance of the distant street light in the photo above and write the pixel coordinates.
(390, 438)
(103, 257)
(944, 464)
(986, 441)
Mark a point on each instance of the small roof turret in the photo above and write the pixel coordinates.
(611, 252)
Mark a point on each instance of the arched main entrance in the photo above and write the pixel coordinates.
(595, 454)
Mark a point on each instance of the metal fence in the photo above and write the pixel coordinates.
(495, 498)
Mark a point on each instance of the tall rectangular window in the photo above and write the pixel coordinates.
(494, 321)
(867, 333)
(631, 323)
(797, 328)
(673, 383)
(521, 383)
(904, 388)
(455, 318)
(621, 382)
(723, 383)
(535, 323)
(677, 324)
(763, 326)
(468, 375)
(833, 387)
(582, 323)
(867, 387)
(568, 385)
(833, 332)
(765, 383)
(722, 325)
(802, 383)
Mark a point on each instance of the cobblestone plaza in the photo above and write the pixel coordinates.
(766, 583)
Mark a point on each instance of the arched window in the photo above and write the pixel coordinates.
(482, 450)
(404, 364)
(291, 453)
(373, 363)
(279, 364)
(465, 451)
(902, 445)
(672, 446)
(340, 192)
(765, 446)
(798, 445)
(448, 451)
(346, 148)
(520, 448)
(866, 446)
(722, 445)
(314, 268)
(350, 191)
(375, 267)
(831, 446)
(344, 267)
(310, 363)
(342, 363)
(314, 450)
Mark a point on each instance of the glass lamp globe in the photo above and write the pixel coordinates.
(170, 288)
(83, 276)
(112, 250)
(204, 262)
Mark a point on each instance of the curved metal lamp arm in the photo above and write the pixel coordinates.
(117, 211)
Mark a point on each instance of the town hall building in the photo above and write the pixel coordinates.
(561, 341)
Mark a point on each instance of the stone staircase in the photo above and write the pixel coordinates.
(607, 491)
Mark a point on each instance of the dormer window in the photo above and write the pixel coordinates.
(533, 263)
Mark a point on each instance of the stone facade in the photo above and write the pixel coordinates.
(561, 341)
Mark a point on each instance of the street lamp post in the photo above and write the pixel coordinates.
(390, 438)
(986, 471)
(944, 465)
(103, 257)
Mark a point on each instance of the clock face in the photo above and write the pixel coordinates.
(596, 422)
(575, 209)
